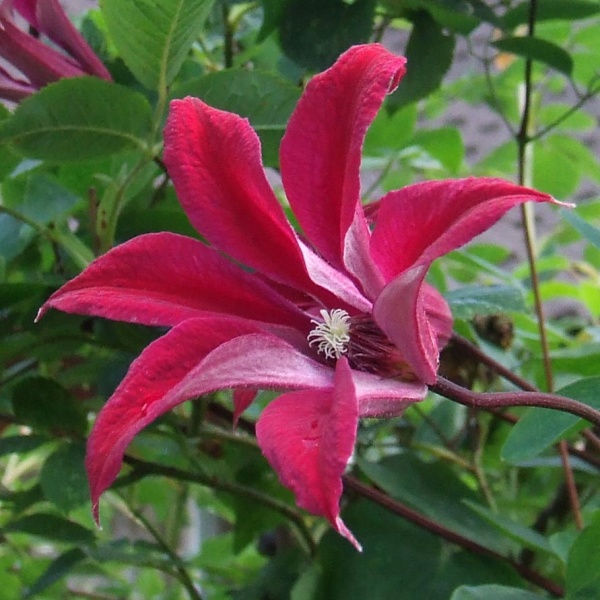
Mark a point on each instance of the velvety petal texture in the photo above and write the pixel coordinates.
(308, 437)
(196, 357)
(321, 150)
(244, 306)
(415, 226)
(214, 160)
(164, 278)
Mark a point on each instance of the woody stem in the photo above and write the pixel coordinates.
(485, 400)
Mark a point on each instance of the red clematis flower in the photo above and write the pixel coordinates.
(38, 62)
(340, 319)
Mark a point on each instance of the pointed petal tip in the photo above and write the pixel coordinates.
(96, 513)
(341, 528)
(563, 204)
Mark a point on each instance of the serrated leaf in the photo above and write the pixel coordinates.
(539, 428)
(51, 527)
(539, 50)
(551, 9)
(63, 477)
(154, 37)
(429, 54)
(466, 302)
(57, 569)
(266, 100)
(78, 119)
(493, 592)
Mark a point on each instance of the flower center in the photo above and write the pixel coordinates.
(362, 341)
(331, 335)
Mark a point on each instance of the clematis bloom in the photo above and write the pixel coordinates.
(339, 319)
(39, 63)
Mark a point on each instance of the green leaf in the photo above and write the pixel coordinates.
(154, 37)
(63, 477)
(15, 236)
(466, 302)
(435, 491)
(429, 53)
(583, 575)
(21, 444)
(525, 536)
(45, 405)
(266, 100)
(493, 592)
(560, 183)
(272, 13)
(444, 144)
(51, 527)
(57, 569)
(78, 119)
(539, 428)
(8, 159)
(588, 231)
(399, 561)
(314, 33)
(539, 50)
(564, 10)
(390, 132)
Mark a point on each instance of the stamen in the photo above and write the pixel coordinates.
(332, 334)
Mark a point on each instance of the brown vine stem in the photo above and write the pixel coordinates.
(422, 521)
(485, 400)
(474, 350)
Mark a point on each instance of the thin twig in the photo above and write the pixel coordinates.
(570, 482)
(142, 468)
(523, 140)
(184, 576)
(499, 368)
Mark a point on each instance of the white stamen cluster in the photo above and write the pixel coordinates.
(331, 335)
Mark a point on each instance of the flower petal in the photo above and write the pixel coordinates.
(14, 89)
(382, 397)
(196, 357)
(308, 438)
(438, 312)
(416, 225)
(321, 149)
(49, 18)
(400, 312)
(242, 399)
(40, 63)
(214, 160)
(164, 278)
(421, 222)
